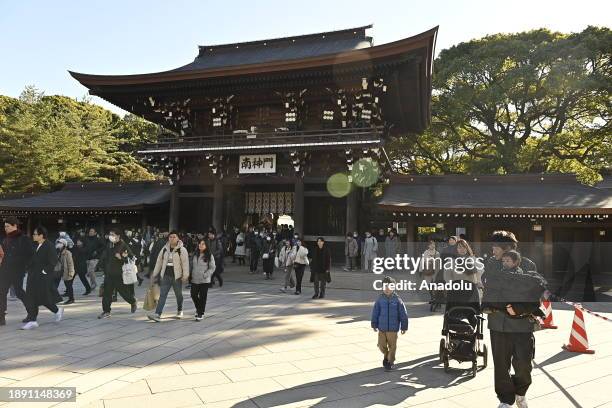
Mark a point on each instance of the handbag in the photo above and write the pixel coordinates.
(277, 262)
(130, 272)
(328, 277)
(266, 256)
(150, 302)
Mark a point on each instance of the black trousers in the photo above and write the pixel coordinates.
(299, 275)
(82, 273)
(112, 284)
(217, 273)
(254, 260)
(516, 350)
(199, 293)
(69, 288)
(319, 285)
(16, 281)
(34, 299)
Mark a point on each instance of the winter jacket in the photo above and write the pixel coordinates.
(389, 314)
(321, 261)
(67, 265)
(201, 271)
(269, 247)
(240, 245)
(180, 262)
(522, 288)
(40, 288)
(286, 257)
(370, 248)
(351, 247)
(93, 246)
(300, 255)
(156, 248)
(392, 246)
(79, 256)
(214, 246)
(17, 253)
(110, 263)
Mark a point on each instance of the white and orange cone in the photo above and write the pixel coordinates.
(548, 320)
(578, 341)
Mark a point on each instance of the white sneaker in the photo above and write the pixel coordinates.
(521, 401)
(179, 315)
(504, 405)
(30, 326)
(59, 314)
(155, 317)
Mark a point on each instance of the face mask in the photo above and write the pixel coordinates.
(354, 235)
(257, 233)
(298, 243)
(268, 239)
(295, 236)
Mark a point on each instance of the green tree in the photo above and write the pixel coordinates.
(536, 101)
(46, 141)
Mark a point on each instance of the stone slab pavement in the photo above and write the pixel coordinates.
(258, 347)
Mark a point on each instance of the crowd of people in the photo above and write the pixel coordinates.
(169, 260)
(510, 289)
(508, 283)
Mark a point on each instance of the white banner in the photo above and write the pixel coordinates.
(257, 163)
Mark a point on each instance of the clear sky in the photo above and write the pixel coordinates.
(40, 40)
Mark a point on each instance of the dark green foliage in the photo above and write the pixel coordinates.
(536, 101)
(46, 141)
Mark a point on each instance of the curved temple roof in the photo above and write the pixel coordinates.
(306, 51)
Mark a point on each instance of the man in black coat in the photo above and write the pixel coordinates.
(320, 268)
(111, 262)
(41, 289)
(511, 323)
(17, 252)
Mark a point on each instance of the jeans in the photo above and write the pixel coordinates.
(168, 282)
(351, 262)
(254, 260)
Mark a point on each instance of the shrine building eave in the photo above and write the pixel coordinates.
(425, 40)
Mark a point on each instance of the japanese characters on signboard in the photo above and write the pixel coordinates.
(258, 163)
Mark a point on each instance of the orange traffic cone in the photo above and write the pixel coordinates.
(548, 320)
(578, 341)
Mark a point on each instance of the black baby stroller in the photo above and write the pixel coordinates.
(462, 328)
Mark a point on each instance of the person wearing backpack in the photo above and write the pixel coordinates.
(171, 271)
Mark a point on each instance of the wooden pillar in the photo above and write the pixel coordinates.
(298, 206)
(143, 221)
(174, 209)
(410, 237)
(217, 217)
(352, 209)
(548, 249)
(101, 225)
(29, 225)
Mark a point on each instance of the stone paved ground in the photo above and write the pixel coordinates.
(258, 347)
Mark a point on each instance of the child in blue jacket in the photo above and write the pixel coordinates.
(388, 316)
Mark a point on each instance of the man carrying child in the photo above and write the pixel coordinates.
(512, 291)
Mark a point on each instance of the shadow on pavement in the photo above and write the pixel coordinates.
(362, 389)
